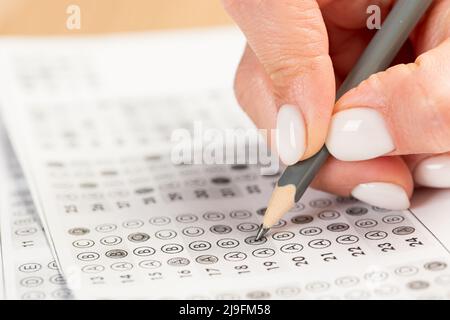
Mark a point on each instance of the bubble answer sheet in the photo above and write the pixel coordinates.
(2, 293)
(90, 120)
(29, 269)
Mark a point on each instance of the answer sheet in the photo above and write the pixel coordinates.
(29, 269)
(90, 120)
(2, 285)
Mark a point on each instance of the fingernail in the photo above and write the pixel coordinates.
(383, 195)
(291, 134)
(358, 134)
(434, 172)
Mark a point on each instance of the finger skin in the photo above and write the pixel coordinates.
(340, 177)
(413, 100)
(352, 14)
(430, 170)
(289, 40)
(414, 159)
(254, 92)
(434, 29)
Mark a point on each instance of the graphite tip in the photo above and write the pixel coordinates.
(261, 232)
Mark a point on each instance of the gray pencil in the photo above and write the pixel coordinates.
(378, 55)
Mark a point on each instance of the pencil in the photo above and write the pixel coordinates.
(378, 55)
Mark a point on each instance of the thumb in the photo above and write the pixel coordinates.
(289, 40)
(403, 110)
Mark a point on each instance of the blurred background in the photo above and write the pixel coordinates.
(49, 17)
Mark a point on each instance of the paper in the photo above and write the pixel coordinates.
(2, 284)
(432, 207)
(30, 271)
(90, 120)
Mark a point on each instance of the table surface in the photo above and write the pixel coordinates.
(48, 17)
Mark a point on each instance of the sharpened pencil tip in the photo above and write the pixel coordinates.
(261, 232)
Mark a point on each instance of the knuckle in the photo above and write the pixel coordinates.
(290, 66)
(386, 84)
(247, 80)
(425, 60)
(373, 83)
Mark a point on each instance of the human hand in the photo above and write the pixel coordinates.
(389, 134)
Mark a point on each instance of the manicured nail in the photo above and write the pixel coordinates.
(358, 134)
(434, 172)
(383, 195)
(291, 134)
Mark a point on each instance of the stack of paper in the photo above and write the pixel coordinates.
(95, 206)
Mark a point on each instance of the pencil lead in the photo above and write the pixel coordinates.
(261, 232)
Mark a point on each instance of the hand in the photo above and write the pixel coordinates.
(389, 134)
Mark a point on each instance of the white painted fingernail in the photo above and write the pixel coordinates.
(434, 172)
(383, 195)
(291, 134)
(358, 134)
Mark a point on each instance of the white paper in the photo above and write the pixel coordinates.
(432, 207)
(90, 121)
(2, 284)
(29, 269)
